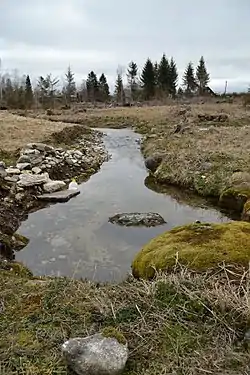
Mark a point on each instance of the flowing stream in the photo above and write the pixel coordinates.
(75, 238)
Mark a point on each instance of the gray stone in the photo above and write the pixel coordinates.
(2, 164)
(23, 166)
(3, 172)
(37, 160)
(95, 355)
(153, 162)
(30, 152)
(12, 179)
(149, 219)
(36, 170)
(40, 147)
(69, 161)
(19, 197)
(60, 196)
(32, 180)
(13, 171)
(52, 186)
(24, 159)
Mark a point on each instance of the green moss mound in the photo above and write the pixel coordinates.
(198, 246)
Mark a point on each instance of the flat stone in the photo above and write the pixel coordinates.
(150, 219)
(36, 170)
(13, 171)
(52, 186)
(32, 180)
(24, 159)
(60, 196)
(12, 179)
(40, 147)
(23, 166)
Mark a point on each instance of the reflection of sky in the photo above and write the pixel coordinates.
(75, 238)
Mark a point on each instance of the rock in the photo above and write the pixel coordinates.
(37, 160)
(32, 180)
(60, 196)
(52, 186)
(197, 246)
(24, 159)
(2, 164)
(234, 198)
(246, 211)
(36, 170)
(19, 197)
(3, 172)
(13, 171)
(153, 162)
(30, 152)
(40, 147)
(23, 166)
(216, 118)
(95, 355)
(12, 179)
(149, 219)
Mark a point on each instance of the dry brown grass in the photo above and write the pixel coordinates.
(16, 131)
(182, 323)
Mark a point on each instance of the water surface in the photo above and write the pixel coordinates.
(75, 238)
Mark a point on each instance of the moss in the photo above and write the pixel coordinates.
(114, 333)
(198, 246)
(246, 211)
(234, 198)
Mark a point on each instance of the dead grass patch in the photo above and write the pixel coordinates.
(182, 323)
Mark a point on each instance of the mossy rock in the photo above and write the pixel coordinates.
(234, 198)
(17, 268)
(246, 211)
(197, 246)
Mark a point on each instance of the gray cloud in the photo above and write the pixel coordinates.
(44, 36)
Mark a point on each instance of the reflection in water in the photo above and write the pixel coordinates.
(75, 238)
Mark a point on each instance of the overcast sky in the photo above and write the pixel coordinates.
(42, 36)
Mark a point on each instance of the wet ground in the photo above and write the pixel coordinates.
(75, 238)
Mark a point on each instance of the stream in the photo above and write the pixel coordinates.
(75, 239)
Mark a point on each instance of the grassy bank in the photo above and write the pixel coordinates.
(203, 155)
(182, 323)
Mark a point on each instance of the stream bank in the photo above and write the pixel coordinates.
(76, 239)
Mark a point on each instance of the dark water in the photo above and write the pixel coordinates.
(75, 238)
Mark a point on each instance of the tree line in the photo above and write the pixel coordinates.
(156, 80)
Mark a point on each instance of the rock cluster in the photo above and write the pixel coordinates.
(148, 219)
(39, 161)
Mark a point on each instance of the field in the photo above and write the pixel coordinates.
(182, 323)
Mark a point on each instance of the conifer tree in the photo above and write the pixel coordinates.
(103, 88)
(148, 79)
(164, 75)
(132, 78)
(29, 97)
(189, 82)
(202, 75)
(92, 86)
(173, 77)
(70, 88)
(119, 89)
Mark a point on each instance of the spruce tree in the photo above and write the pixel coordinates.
(148, 79)
(92, 86)
(164, 75)
(119, 89)
(103, 88)
(173, 77)
(132, 78)
(189, 79)
(70, 88)
(29, 97)
(156, 70)
(202, 75)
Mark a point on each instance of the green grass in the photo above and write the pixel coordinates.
(181, 323)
